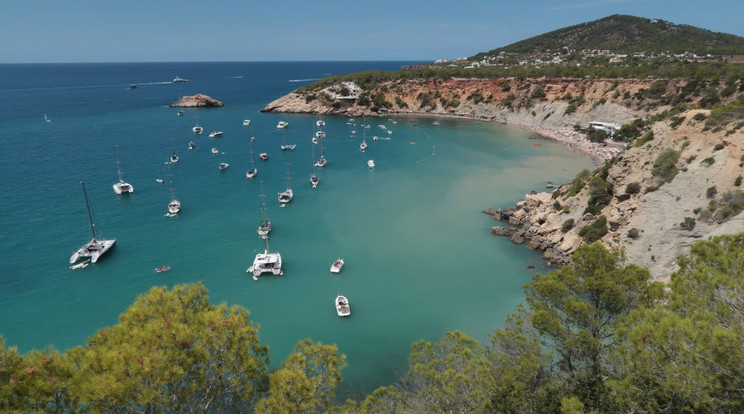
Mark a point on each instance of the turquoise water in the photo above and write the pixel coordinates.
(420, 260)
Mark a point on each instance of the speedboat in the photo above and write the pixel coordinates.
(342, 306)
(251, 173)
(320, 123)
(133, 86)
(264, 156)
(288, 147)
(160, 180)
(180, 113)
(320, 134)
(179, 80)
(223, 166)
(314, 181)
(96, 247)
(215, 134)
(315, 140)
(246, 122)
(197, 129)
(174, 158)
(375, 138)
(215, 151)
(163, 268)
(282, 124)
(337, 265)
(371, 164)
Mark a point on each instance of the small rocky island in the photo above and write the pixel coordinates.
(197, 101)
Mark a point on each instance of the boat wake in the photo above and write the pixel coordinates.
(303, 80)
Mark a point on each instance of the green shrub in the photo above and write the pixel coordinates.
(557, 206)
(633, 188)
(507, 102)
(571, 109)
(633, 233)
(505, 86)
(688, 224)
(567, 225)
(648, 136)
(699, 116)
(711, 192)
(310, 98)
(538, 93)
(731, 204)
(665, 165)
(336, 105)
(578, 183)
(651, 189)
(594, 231)
(600, 192)
(675, 121)
(708, 161)
(718, 147)
(737, 182)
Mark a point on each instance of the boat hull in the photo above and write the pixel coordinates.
(342, 306)
(266, 262)
(123, 188)
(94, 249)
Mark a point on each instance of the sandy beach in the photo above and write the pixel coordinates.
(578, 141)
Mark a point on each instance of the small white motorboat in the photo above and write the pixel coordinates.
(314, 181)
(337, 265)
(371, 164)
(180, 80)
(191, 145)
(322, 162)
(264, 156)
(362, 146)
(223, 166)
(163, 268)
(160, 180)
(315, 140)
(342, 306)
(197, 129)
(215, 151)
(215, 134)
(320, 123)
(180, 113)
(282, 124)
(246, 122)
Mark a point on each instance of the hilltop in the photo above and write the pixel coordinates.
(625, 34)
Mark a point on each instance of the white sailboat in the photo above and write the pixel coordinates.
(322, 162)
(253, 171)
(342, 306)
(121, 186)
(96, 247)
(197, 129)
(47, 119)
(314, 180)
(174, 207)
(286, 146)
(287, 195)
(174, 157)
(265, 228)
(363, 145)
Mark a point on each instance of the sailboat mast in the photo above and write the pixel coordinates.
(118, 163)
(90, 216)
(263, 205)
(253, 159)
(170, 177)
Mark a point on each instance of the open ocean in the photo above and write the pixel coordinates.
(420, 260)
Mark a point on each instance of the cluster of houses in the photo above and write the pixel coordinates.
(345, 91)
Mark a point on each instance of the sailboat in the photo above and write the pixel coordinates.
(314, 180)
(286, 146)
(253, 171)
(47, 119)
(322, 162)
(363, 145)
(174, 157)
(96, 247)
(174, 207)
(265, 228)
(287, 195)
(266, 262)
(121, 186)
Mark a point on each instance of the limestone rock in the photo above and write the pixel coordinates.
(196, 101)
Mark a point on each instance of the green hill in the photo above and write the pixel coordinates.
(628, 34)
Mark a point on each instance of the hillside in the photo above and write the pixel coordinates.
(628, 34)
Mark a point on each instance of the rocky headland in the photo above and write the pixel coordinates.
(654, 217)
(197, 101)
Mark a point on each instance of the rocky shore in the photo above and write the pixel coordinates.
(196, 101)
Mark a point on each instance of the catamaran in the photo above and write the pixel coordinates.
(253, 171)
(121, 186)
(96, 247)
(265, 228)
(266, 262)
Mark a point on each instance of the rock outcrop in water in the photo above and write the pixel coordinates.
(196, 101)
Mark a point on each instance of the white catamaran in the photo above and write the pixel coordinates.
(121, 186)
(96, 247)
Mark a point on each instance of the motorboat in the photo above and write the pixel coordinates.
(363, 146)
(180, 113)
(253, 171)
(133, 86)
(173, 157)
(320, 134)
(192, 145)
(215, 134)
(159, 180)
(197, 129)
(320, 123)
(342, 306)
(375, 138)
(246, 122)
(371, 164)
(96, 247)
(314, 181)
(337, 265)
(215, 151)
(223, 166)
(80, 265)
(315, 140)
(266, 262)
(180, 80)
(282, 124)
(122, 186)
(322, 162)
(264, 156)
(265, 227)
(163, 268)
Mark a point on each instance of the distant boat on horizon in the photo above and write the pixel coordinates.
(180, 80)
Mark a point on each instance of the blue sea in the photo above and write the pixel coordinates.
(420, 260)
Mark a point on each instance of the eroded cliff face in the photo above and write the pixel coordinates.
(657, 215)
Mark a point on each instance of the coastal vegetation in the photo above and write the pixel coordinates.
(597, 335)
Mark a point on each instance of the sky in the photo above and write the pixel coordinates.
(51, 31)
